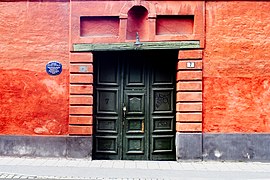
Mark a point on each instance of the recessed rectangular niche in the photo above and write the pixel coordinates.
(174, 24)
(99, 26)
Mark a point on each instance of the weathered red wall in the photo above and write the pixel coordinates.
(32, 34)
(236, 67)
(236, 71)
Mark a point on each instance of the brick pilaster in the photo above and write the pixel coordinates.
(81, 94)
(189, 91)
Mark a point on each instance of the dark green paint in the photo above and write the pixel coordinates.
(134, 94)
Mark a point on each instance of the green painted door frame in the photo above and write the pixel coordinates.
(164, 45)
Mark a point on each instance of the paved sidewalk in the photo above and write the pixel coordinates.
(45, 168)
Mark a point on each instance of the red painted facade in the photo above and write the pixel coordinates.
(33, 33)
(236, 67)
(231, 85)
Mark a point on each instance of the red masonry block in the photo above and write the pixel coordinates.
(189, 75)
(189, 117)
(81, 78)
(81, 57)
(189, 96)
(188, 107)
(189, 127)
(190, 54)
(81, 99)
(81, 68)
(184, 64)
(189, 86)
(81, 130)
(81, 120)
(81, 110)
(81, 89)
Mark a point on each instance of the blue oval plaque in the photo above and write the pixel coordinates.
(54, 68)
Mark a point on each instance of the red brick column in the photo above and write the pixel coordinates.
(189, 91)
(81, 94)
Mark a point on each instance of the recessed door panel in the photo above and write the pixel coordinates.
(135, 74)
(134, 109)
(163, 124)
(135, 103)
(106, 124)
(163, 143)
(106, 144)
(162, 74)
(108, 72)
(108, 101)
(135, 125)
(135, 145)
(163, 98)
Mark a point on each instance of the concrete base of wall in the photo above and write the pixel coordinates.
(236, 147)
(223, 147)
(188, 146)
(46, 146)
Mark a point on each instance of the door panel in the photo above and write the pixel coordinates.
(162, 143)
(108, 101)
(134, 105)
(135, 75)
(134, 130)
(108, 72)
(106, 124)
(163, 100)
(165, 78)
(135, 125)
(163, 124)
(106, 144)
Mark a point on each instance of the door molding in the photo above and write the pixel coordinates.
(86, 47)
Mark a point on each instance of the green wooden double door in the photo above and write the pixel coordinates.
(134, 111)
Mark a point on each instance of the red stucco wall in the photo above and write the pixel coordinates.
(236, 69)
(32, 34)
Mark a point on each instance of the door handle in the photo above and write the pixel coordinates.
(124, 110)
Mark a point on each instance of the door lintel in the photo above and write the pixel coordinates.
(86, 47)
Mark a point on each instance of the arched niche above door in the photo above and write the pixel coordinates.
(137, 21)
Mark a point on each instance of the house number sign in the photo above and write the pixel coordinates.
(54, 68)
